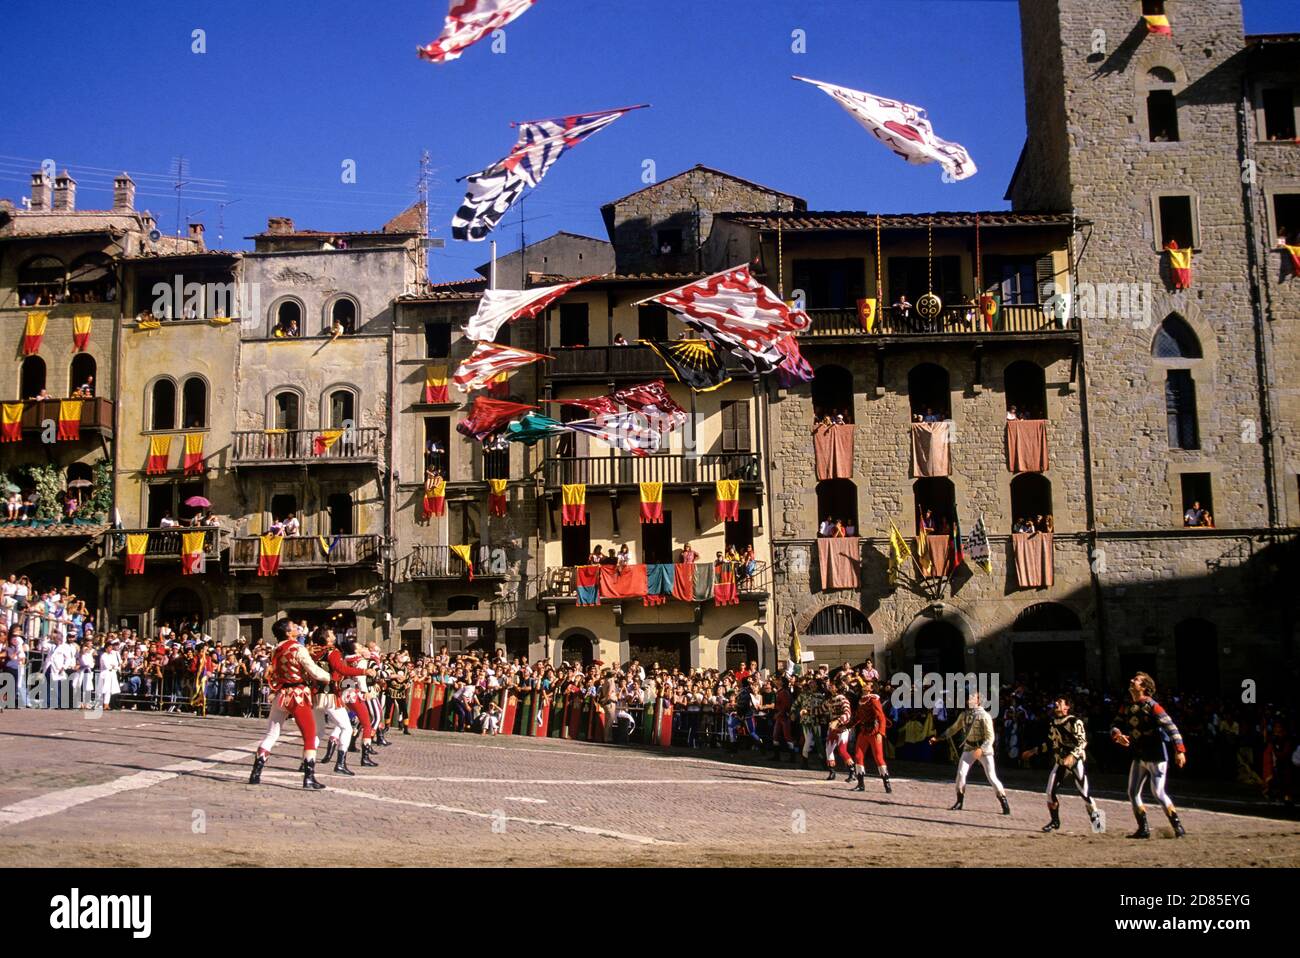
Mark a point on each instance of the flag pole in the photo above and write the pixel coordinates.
(617, 109)
(492, 270)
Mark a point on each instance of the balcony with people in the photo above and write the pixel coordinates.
(323, 540)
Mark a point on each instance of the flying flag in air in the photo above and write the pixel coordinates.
(652, 502)
(136, 546)
(649, 399)
(793, 368)
(541, 142)
(728, 506)
(192, 553)
(1180, 264)
(33, 333)
(435, 383)
(901, 127)
(501, 306)
(734, 309)
(80, 332)
(488, 417)
(69, 420)
(192, 463)
(497, 497)
(1158, 24)
(692, 362)
(573, 508)
(469, 21)
(488, 361)
(12, 429)
(463, 553)
(532, 428)
(977, 547)
(630, 431)
(268, 558)
(160, 448)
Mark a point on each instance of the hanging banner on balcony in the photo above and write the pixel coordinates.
(192, 554)
(464, 554)
(652, 502)
(468, 22)
(325, 441)
(489, 361)
(660, 579)
(488, 417)
(192, 464)
(435, 499)
(1158, 25)
(573, 508)
(327, 546)
(533, 428)
(268, 555)
(630, 432)
(728, 507)
(136, 545)
(69, 419)
(501, 306)
(903, 128)
(11, 422)
(80, 333)
(435, 383)
(693, 362)
(160, 448)
(497, 497)
(990, 305)
(899, 552)
(1180, 265)
(1294, 253)
(725, 591)
(623, 582)
(34, 332)
(867, 313)
(587, 579)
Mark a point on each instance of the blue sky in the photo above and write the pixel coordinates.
(289, 90)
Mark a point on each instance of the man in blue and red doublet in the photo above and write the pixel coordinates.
(1145, 727)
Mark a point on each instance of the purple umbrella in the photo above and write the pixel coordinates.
(198, 502)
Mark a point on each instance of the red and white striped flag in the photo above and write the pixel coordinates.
(469, 21)
(501, 306)
(629, 431)
(489, 360)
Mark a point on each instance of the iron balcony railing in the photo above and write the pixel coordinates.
(439, 562)
(163, 543)
(673, 470)
(96, 413)
(310, 552)
(306, 446)
(962, 318)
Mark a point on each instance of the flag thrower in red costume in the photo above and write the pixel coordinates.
(869, 731)
(330, 704)
(290, 676)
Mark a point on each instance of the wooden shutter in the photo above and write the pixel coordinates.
(735, 426)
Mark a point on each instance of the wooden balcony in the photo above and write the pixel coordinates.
(439, 563)
(262, 448)
(602, 363)
(672, 470)
(954, 320)
(559, 586)
(163, 543)
(307, 552)
(96, 415)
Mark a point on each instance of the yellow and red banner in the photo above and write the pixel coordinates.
(1180, 264)
(81, 332)
(325, 441)
(1294, 253)
(652, 502)
(463, 553)
(160, 449)
(268, 557)
(192, 552)
(1158, 24)
(135, 549)
(573, 508)
(34, 332)
(193, 460)
(497, 497)
(728, 508)
(989, 309)
(867, 309)
(435, 383)
(435, 498)
(69, 419)
(11, 422)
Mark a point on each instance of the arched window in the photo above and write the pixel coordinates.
(1176, 340)
(577, 647)
(194, 403)
(1180, 410)
(939, 647)
(342, 407)
(1026, 389)
(163, 405)
(40, 281)
(287, 320)
(839, 620)
(344, 313)
(81, 373)
(837, 500)
(927, 388)
(741, 650)
(31, 379)
(936, 497)
(1047, 617)
(90, 280)
(284, 409)
(462, 603)
(832, 392)
(1031, 498)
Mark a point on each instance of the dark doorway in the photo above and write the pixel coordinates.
(830, 283)
(657, 541)
(928, 390)
(180, 608)
(283, 506)
(32, 377)
(576, 544)
(574, 329)
(740, 534)
(832, 392)
(1196, 651)
(160, 504)
(938, 496)
(837, 499)
(1026, 389)
(652, 321)
(672, 650)
(939, 648)
(340, 509)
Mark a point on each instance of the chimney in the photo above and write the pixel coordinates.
(40, 193)
(196, 234)
(124, 193)
(65, 193)
(279, 224)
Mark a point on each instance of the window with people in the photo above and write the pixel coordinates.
(928, 393)
(837, 507)
(41, 281)
(935, 502)
(1025, 387)
(1031, 504)
(287, 318)
(832, 396)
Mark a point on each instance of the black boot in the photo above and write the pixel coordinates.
(830, 774)
(1143, 831)
(406, 729)
(367, 756)
(380, 739)
(1006, 806)
(1179, 831)
(862, 782)
(352, 745)
(309, 776)
(848, 776)
(329, 751)
(1055, 823)
(888, 788)
(259, 763)
(956, 806)
(341, 765)
(302, 767)
(803, 762)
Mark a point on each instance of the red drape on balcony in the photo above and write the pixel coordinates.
(1027, 445)
(626, 583)
(1033, 552)
(838, 562)
(833, 451)
(930, 449)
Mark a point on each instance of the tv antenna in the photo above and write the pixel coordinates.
(181, 167)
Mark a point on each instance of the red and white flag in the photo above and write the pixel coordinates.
(650, 399)
(469, 21)
(488, 361)
(630, 431)
(501, 306)
(903, 128)
(736, 310)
